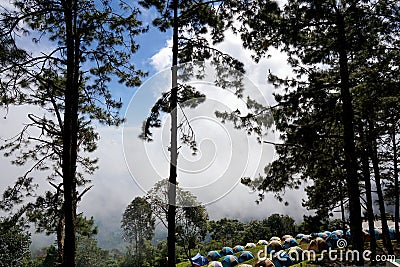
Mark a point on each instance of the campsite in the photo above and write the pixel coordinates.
(289, 252)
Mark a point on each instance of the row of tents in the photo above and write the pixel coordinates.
(277, 246)
(227, 260)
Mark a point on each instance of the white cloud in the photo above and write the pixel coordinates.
(239, 201)
(232, 45)
(227, 159)
(163, 58)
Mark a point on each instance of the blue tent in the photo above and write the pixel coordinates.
(238, 248)
(290, 242)
(392, 233)
(282, 259)
(245, 256)
(339, 233)
(229, 261)
(199, 260)
(299, 236)
(226, 251)
(213, 255)
(328, 233)
(332, 240)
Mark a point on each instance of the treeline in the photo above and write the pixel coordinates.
(141, 249)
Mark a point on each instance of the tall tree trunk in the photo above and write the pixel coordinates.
(349, 146)
(60, 238)
(368, 193)
(70, 133)
(375, 164)
(171, 239)
(396, 182)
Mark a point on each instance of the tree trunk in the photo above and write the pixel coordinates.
(396, 183)
(375, 163)
(60, 238)
(171, 239)
(70, 133)
(349, 147)
(368, 193)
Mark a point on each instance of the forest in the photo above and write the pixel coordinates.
(335, 118)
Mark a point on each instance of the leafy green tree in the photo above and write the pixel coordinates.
(256, 230)
(51, 257)
(138, 224)
(281, 225)
(91, 43)
(191, 228)
(191, 215)
(148, 258)
(227, 230)
(335, 224)
(88, 254)
(14, 242)
(313, 224)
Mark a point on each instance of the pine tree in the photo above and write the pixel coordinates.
(190, 21)
(331, 46)
(91, 44)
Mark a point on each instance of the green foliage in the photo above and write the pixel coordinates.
(149, 256)
(196, 20)
(314, 224)
(86, 227)
(14, 245)
(191, 228)
(50, 259)
(281, 225)
(256, 230)
(227, 230)
(88, 254)
(191, 215)
(332, 47)
(106, 42)
(138, 224)
(335, 224)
